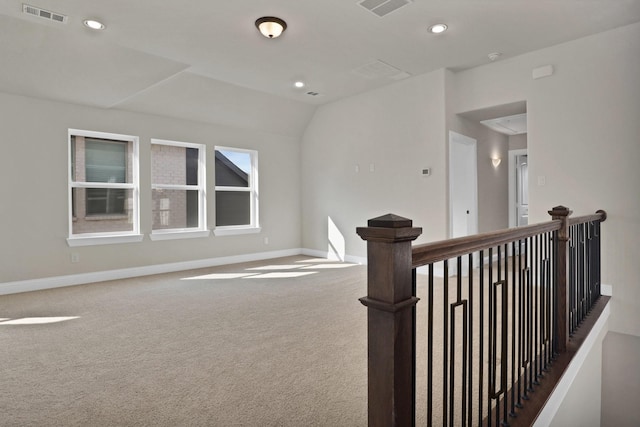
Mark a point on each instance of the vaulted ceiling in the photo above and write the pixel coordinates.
(199, 58)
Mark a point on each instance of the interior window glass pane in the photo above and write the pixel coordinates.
(233, 208)
(105, 161)
(175, 209)
(174, 165)
(106, 201)
(101, 210)
(233, 168)
(73, 158)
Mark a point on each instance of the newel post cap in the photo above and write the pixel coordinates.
(389, 228)
(560, 211)
(390, 221)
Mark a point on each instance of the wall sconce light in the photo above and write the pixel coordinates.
(271, 27)
(496, 162)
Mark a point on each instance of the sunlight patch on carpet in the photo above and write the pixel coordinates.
(326, 266)
(37, 320)
(219, 276)
(281, 275)
(277, 267)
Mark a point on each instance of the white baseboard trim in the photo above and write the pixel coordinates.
(545, 417)
(320, 254)
(332, 256)
(101, 276)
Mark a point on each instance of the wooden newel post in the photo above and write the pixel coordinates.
(562, 213)
(389, 303)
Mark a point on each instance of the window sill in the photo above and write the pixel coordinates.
(230, 231)
(180, 234)
(104, 240)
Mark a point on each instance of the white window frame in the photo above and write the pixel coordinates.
(88, 239)
(254, 217)
(185, 233)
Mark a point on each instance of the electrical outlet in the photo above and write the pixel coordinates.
(266, 240)
(75, 257)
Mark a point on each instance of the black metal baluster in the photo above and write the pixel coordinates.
(547, 302)
(589, 265)
(513, 329)
(492, 378)
(572, 279)
(553, 293)
(463, 304)
(452, 342)
(596, 259)
(520, 324)
(445, 352)
(580, 282)
(502, 359)
(469, 399)
(414, 290)
(534, 289)
(481, 340)
(504, 362)
(430, 347)
(530, 315)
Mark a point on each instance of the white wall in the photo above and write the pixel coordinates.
(518, 142)
(621, 380)
(34, 205)
(399, 129)
(581, 405)
(583, 138)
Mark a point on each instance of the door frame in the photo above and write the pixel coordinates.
(513, 219)
(457, 138)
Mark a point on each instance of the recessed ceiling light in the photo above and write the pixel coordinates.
(94, 25)
(299, 84)
(438, 28)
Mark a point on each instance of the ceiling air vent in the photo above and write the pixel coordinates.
(45, 14)
(383, 7)
(378, 69)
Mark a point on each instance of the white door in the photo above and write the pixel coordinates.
(463, 185)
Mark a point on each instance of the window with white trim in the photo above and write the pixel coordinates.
(178, 189)
(236, 191)
(103, 187)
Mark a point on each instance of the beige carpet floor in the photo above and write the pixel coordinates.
(275, 343)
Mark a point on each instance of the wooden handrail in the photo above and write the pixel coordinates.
(600, 215)
(446, 249)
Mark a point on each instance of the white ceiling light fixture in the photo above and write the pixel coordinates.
(93, 24)
(270, 26)
(299, 84)
(438, 28)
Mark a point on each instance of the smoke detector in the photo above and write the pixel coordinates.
(495, 55)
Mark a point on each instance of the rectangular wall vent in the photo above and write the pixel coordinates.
(383, 7)
(44, 14)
